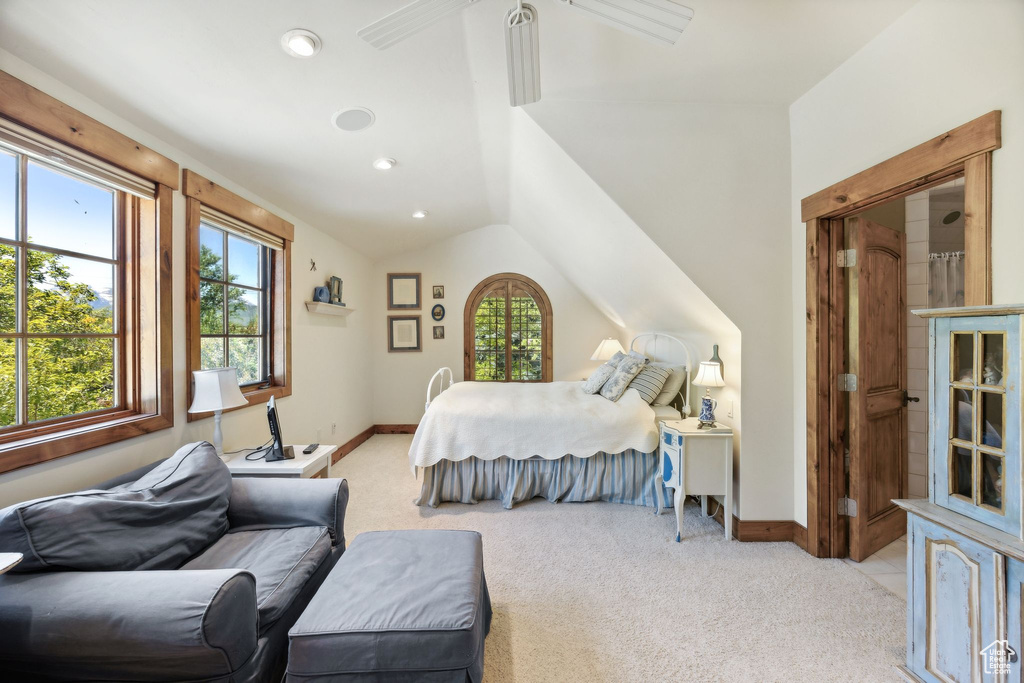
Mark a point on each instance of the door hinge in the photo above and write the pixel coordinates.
(847, 382)
(847, 507)
(846, 258)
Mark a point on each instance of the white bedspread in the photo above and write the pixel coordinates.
(489, 419)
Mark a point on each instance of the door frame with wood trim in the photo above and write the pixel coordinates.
(964, 151)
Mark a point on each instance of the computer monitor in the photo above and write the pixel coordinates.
(277, 451)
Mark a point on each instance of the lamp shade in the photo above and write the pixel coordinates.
(607, 348)
(216, 389)
(709, 375)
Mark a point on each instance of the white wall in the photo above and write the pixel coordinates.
(331, 378)
(690, 202)
(936, 67)
(460, 263)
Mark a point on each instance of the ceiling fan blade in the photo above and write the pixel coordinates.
(408, 20)
(659, 20)
(523, 51)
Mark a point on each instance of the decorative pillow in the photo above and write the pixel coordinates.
(157, 522)
(616, 385)
(650, 381)
(593, 384)
(672, 386)
(638, 356)
(616, 359)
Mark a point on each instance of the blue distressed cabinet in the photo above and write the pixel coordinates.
(965, 555)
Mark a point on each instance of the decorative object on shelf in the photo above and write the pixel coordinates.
(716, 359)
(437, 313)
(336, 291)
(404, 333)
(606, 349)
(403, 291)
(438, 331)
(322, 294)
(709, 375)
(438, 291)
(215, 391)
(312, 266)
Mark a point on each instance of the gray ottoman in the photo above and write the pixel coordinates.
(398, 606)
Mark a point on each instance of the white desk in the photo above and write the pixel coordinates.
(300, 467)
(697, 462)
(8, 561)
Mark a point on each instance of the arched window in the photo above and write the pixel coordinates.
(508, 331)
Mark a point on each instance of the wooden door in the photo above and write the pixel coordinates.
(877, 408)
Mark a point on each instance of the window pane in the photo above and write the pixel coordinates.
(992, 346)
(69, 376)
(69, 213)
(243, 311)
(8, 194)
(992, 419)
(963, 415)
(961, 473)
(8, 290)
(243, 261)
(992, 480)
(69, 295)
(211, 308)
(245, 355)
(211, 353)
(211, 252)
(963, 357)
(8, 383)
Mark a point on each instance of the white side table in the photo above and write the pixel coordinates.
(8, 561)
(697, 462)
(300, 467)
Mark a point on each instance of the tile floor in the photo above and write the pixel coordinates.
(888, 567)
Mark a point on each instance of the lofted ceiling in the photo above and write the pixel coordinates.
(211, 79)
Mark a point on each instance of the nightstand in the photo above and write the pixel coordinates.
(697, 462)
(315, 465)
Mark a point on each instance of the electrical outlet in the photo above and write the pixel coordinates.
(334, 428)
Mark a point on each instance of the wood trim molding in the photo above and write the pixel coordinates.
(363, 436)
(216, 197)
(978, 230)
(394, 429)
(764, 531)
(34, 109)
(904, 172)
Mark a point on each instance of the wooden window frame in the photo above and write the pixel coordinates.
(469, 326)
(148, 400)
(200, 192)
(964, 151)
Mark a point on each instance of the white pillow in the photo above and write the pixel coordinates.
(672, 386)
(597, 378)
(624, 374)
(650, 382)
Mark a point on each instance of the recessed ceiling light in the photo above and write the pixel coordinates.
(384, 164)
(301, 43)
(353, 119)
(419, 214)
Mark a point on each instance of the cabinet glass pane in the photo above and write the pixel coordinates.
(961, 473)
(963, 358)
(992, 346)
(991, 419)
(992, 480)
(962, 424)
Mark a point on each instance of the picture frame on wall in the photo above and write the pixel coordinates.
(403, 291)
(438, 291)
(438, 331)
(404, 333)
(336, 291)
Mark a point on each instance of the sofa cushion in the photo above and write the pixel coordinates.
(282, 560)
(397, 602)
(156, 522)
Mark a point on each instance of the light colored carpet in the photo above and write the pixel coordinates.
(600, 592)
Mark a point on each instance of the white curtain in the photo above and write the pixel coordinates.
(946, 279)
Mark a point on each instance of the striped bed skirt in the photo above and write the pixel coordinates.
(630, 477)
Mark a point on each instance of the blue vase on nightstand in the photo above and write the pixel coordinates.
(707, 411)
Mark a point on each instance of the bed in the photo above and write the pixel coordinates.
(516, 441)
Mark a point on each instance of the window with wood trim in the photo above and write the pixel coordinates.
(508, 331)
(239, 290)
(85, 282)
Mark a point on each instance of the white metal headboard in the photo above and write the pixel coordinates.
(686, 349)
(430, 384)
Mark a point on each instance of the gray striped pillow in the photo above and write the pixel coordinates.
(650, 381)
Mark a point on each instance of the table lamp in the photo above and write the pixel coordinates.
(709, 375)
(607, 348)
(216, 390)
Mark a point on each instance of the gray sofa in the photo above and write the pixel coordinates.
(175, 572)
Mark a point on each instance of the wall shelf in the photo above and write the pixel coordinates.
(327, 309)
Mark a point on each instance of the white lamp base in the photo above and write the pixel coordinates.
(218, 437)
